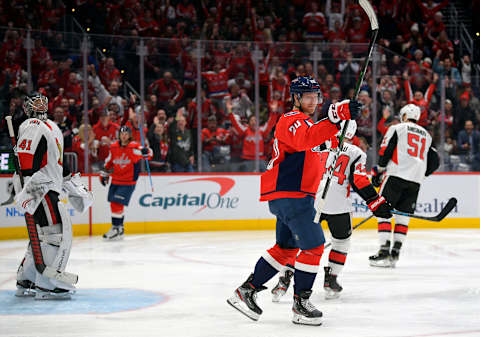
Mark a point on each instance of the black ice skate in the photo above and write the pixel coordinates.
(244, 299)
(303, 310)
(382, 258)
(25, 288)
(283, 284)
(330, 284)
(394, 254)
(114, 234)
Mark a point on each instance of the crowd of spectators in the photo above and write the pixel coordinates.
(416, 56)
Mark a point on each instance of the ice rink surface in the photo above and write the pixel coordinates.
(177, 284)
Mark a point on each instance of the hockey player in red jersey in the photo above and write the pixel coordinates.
(289, 185)
(349, 171)
(406, 158)
(123, 162)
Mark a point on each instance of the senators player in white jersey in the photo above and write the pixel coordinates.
(349, 171)
(40, 153)
(406, 158)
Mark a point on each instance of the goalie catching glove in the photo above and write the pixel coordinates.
(344, 110)
(78, 195)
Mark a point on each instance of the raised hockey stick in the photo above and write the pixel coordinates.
(449, 206)
(32, 227)
(374, 25)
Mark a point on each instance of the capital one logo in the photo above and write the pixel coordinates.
(195, 199)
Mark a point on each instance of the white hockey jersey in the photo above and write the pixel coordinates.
(404, 151)
(349, 170)
(40, 148)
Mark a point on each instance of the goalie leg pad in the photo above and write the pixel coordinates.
(56, 256)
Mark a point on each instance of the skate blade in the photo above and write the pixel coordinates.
(299, 319)
(25, 293)
(117, 238)
(330, 294)
(242, 307)
(383, 264)
(52, 297)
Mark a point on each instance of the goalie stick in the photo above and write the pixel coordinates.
(367, 7)
(32, 227)
(449, 206)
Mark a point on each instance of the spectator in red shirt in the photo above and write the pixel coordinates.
(40, 58)
(217, 82)
(106, 133)
(108, 72)
(73, 89)
(444, 45)
(435, 27)
(419, 99)
(213, 138)
(315, 24)
(357, 34)
(169, 92)
(186, 11)
(147, 26)
(14, 70)
(133, 124)
(247, 133)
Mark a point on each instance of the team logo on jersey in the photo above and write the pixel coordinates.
(123, 161)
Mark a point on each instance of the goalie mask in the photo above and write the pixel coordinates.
(35, 105)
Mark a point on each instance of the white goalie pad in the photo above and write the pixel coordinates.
(33, 192)
(59, 261)
(78, 195)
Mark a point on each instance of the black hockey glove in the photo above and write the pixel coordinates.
(144, 151)
(104, 178)
(354, 107)
(380, 207)
(377, 176)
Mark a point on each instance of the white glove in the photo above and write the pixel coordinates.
(78, 195)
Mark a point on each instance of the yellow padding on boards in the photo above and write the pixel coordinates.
(7, 233)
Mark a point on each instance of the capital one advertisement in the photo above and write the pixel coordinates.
(234, 197)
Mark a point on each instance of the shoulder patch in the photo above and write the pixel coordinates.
(291, 113)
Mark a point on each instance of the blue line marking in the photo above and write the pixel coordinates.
(84, 301)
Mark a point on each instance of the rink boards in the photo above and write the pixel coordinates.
(201, 202)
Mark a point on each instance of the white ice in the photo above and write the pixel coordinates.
(434, 291)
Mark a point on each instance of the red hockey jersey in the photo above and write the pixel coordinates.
(294, 169)
(125, 162)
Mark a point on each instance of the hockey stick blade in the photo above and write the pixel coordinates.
(452, 202)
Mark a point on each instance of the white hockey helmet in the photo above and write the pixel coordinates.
(411, 111)
(351, 130)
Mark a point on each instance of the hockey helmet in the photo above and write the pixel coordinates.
(411, 111)
(35, 105)
(351, 130)
(304, 84)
